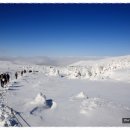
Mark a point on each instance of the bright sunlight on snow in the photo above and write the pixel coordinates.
(85, 93)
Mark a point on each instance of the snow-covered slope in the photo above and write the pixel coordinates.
(49, 96)
(69, 102)
(116, 61)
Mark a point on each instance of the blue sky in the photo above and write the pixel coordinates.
(64, 29)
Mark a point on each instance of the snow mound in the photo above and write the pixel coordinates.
(40, 103)
(39, 100)
(81, 95)
(94, 105)
(91, 104)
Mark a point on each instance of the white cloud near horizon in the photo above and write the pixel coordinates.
(44, 60)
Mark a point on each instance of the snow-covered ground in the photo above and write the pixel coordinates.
(85, 93)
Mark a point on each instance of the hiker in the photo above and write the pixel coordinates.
(5, 78)
(2, 80)
(21, 73)
(16, 75)
(8, 77)
(0, 76)
(24, 71)
(30, 71)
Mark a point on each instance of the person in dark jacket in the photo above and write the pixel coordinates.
(16, 75)
(2, 80)
(5, 78)
(24, 71)
(21, 73)
(8, 77)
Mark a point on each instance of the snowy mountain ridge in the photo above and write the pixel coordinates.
(89, 69)
(99, 69)
(119, 59)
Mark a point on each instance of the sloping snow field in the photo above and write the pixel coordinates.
(86, 93)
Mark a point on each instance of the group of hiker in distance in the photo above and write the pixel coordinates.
(5, 77)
